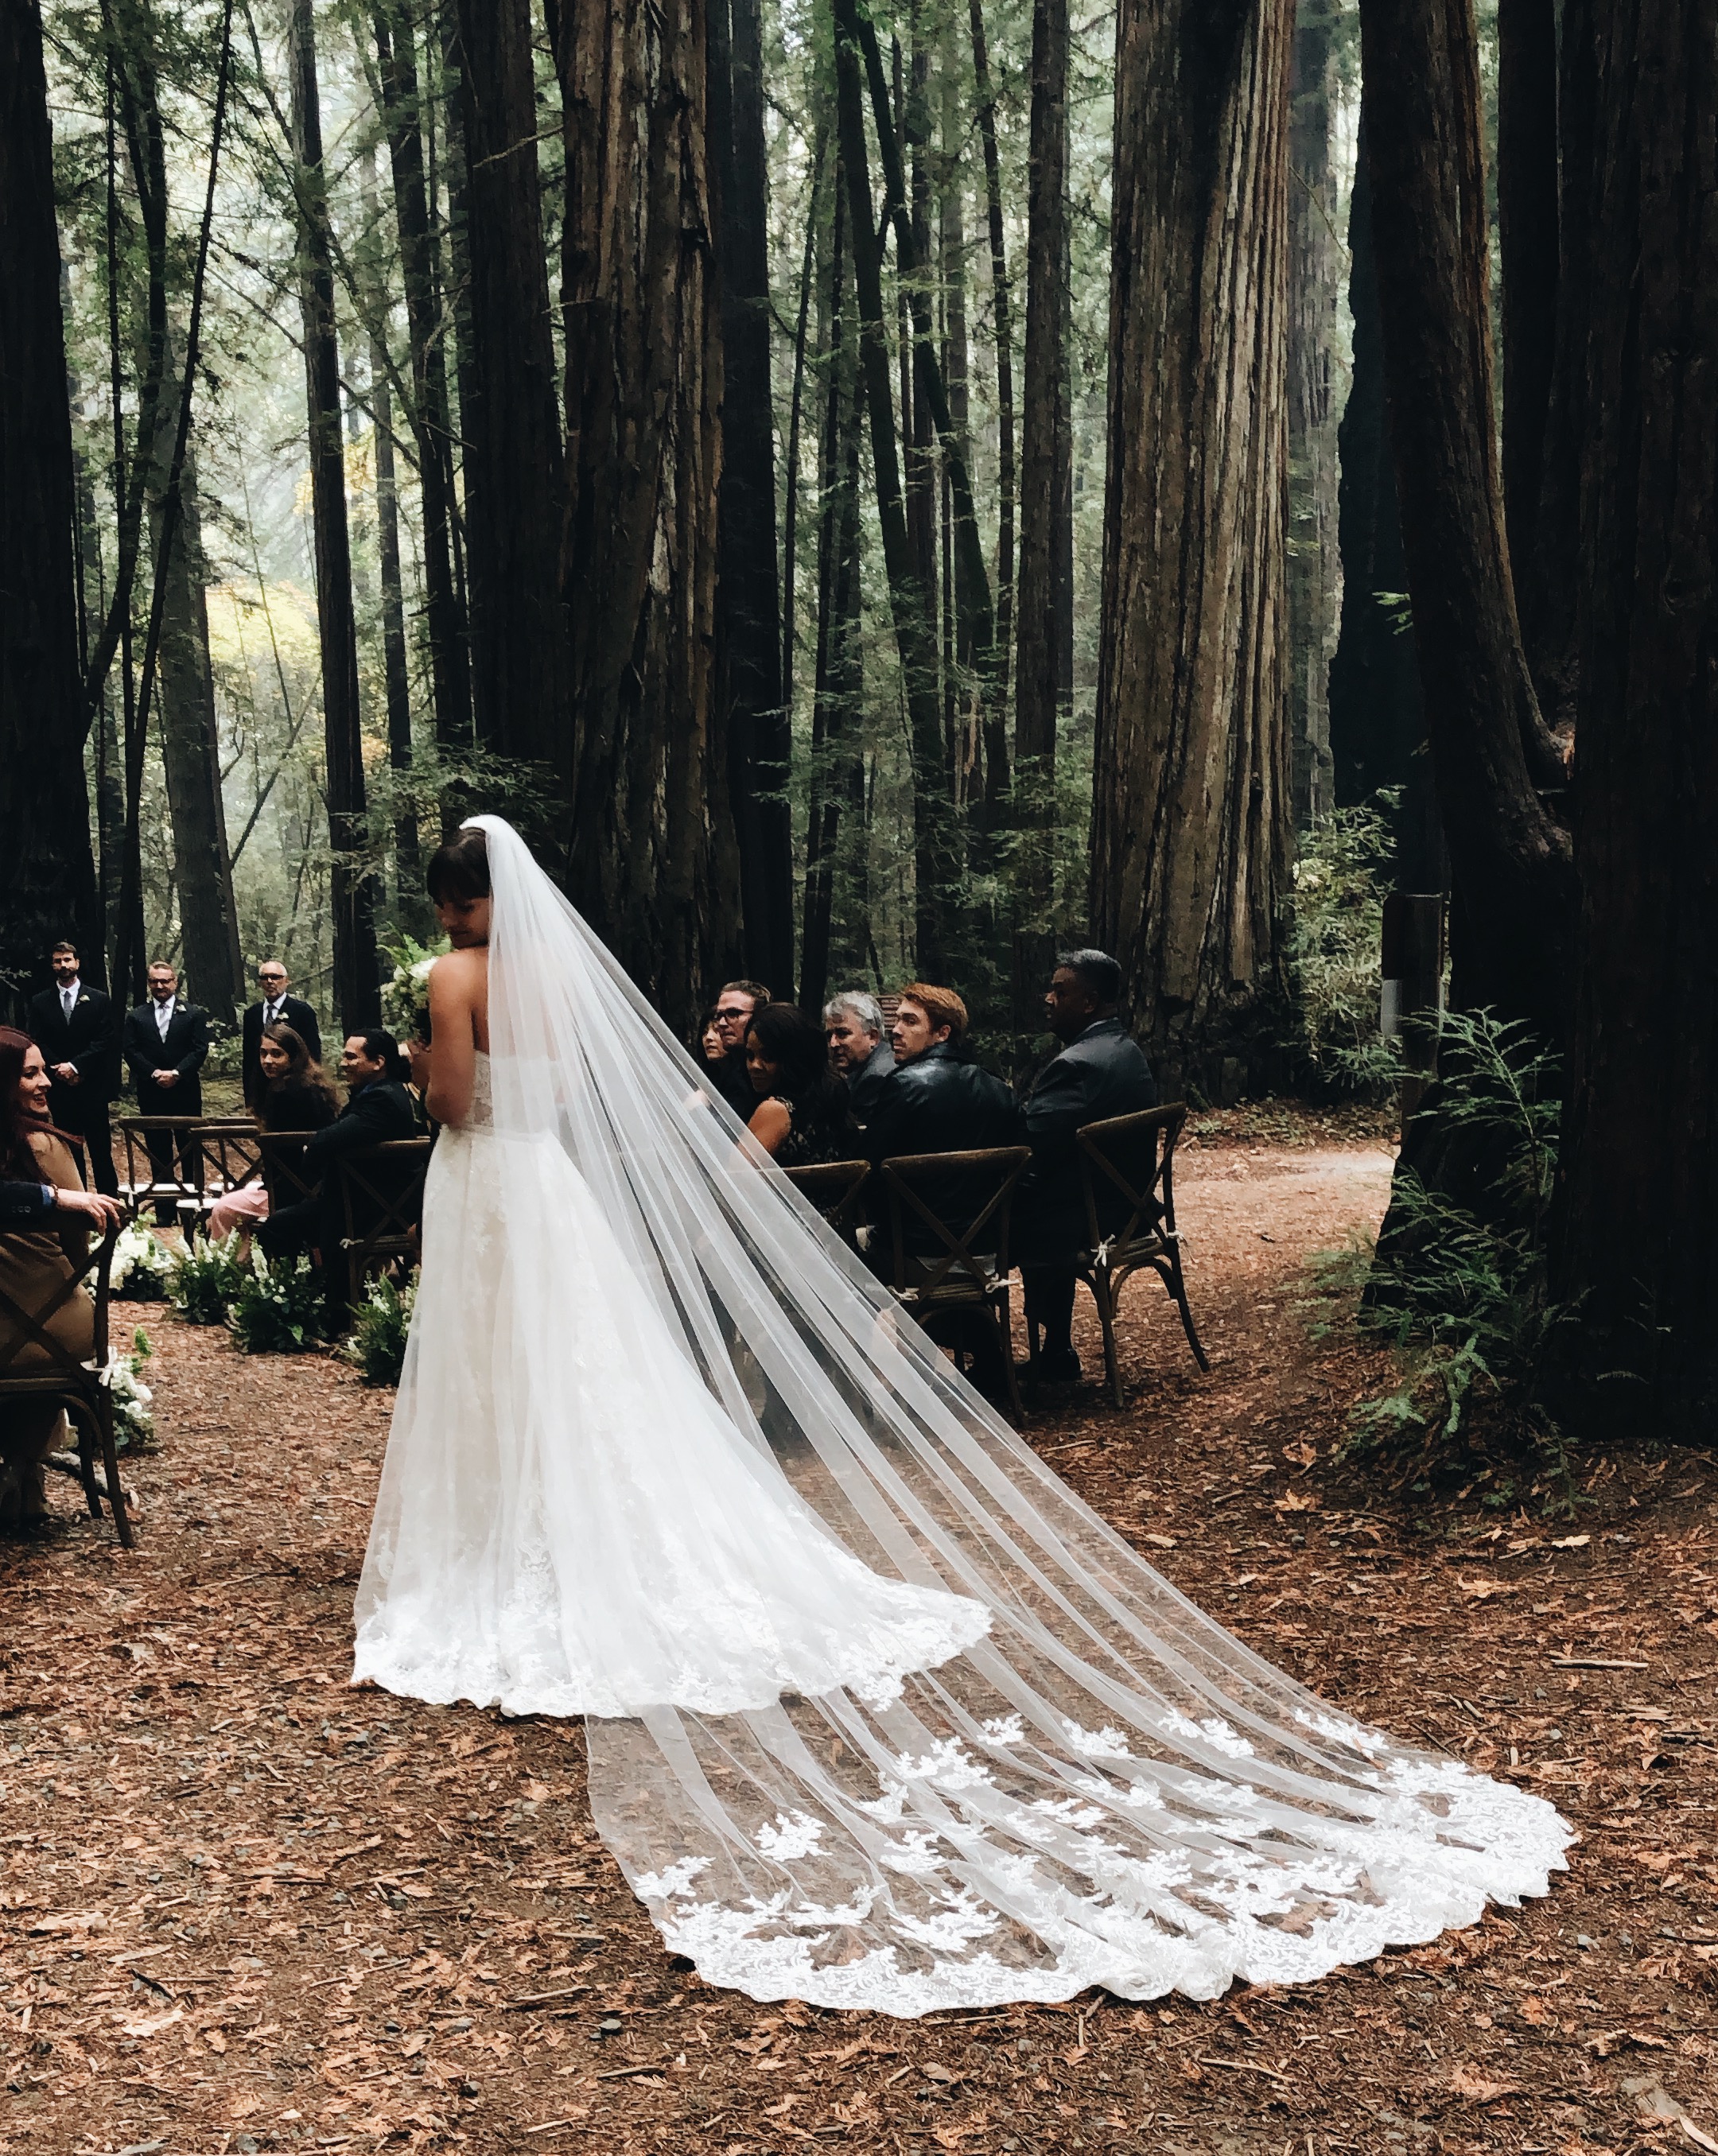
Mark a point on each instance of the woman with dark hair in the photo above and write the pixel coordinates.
(35, 1262)
(802, 1115)
(296, 1096)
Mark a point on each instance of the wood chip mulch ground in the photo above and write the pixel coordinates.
(246, 1907)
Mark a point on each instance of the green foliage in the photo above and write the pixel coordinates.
(376, 1345)
(205, 1279)
(278, 1309)
(1334, 949)
(133, 1409)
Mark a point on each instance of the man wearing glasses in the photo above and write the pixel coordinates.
(272, 983)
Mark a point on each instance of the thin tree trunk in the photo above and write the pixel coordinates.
(1635, 1262)
(996, 730)
(515, 484)
(47, 881)
(443, 620)
(653, 862)
(1509, 855)
(918, 429)
(966, 711)
(356, 989)
(1313, 565)
(1527, 236)
(747, 594)
(1191, 828)
(790, 493)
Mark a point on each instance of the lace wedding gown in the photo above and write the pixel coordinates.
(879, 1714)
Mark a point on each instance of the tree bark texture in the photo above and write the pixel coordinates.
(1191, 833)
(509, 417)
(653, 863)
(1377, 711)
(748, 592)
(1509, 863)
(1636, 1260)
(1314, 563)
(357, 995)
(47, 881)
(996, 763)
(1528, 243)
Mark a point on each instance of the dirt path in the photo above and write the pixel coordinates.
(247, 1908)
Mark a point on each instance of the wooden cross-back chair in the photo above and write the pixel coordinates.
(945, 1275)
(66, 1380)
(833, 1189)
(381, 1201)
(231, 1155)
(286, 1178)
(1127, 1182)
(140, 1185)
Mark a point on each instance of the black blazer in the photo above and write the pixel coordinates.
(295, 1012)
(864, 1084)
(1102, 1074)
(940, 1103)
(375, 1115)
(88, 1039)
(183, 1050)
(21, 1204)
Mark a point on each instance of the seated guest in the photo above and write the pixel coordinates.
(1100, 1072)
(854, 1024)
(275, 1008)
(378, 1110)
(800, 1113)
(294, 1093)
(731, 1019)
(36, 1258)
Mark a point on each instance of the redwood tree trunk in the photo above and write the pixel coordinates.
(1509, 855)
(513, 464)
(1636, 1261)
(47, 881)
(1527, 234)
(653, 863)
(1190, 834)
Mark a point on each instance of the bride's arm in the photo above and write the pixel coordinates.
(453, 1041)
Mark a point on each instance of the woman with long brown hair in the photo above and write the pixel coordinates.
(295, 1096)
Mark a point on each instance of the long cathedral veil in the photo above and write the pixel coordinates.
(1107, 1788)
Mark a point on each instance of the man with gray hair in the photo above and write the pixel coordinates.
(853, 1022)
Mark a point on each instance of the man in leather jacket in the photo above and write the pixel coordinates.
(1099, 1073)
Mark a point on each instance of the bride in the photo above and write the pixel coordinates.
(879, 1714)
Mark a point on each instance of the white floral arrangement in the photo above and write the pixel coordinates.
(133, 1402)
(405, 996)
(141, 1261)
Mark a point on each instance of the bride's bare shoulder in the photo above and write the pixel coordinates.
(461, 973)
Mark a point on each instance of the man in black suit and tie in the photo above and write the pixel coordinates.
(1099, 1073)
(74, 1027)
(378, 1109)
(165, 1041)
(276, 1007)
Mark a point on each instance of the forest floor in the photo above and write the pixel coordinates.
(245, 1906)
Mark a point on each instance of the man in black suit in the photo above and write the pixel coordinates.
(276, 1007)
(853, 1024)
(378, 1109)
(74, 1027)
(165, 1041)
(1099, 1073)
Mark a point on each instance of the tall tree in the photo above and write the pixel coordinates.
(1043, 692)
(1313, 565)
(514, 459)
(1491, 751)
(747, 594)
(1191, 832)
(356, 988)
(1528, 248)
(48, 883)
(653, 861)
(1636, 1258)
(996, 772)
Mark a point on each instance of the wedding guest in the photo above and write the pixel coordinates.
(1098, 1073)
(295, 1096)
(731, 1019)
(73, 1026)
(853, 1023)
(276, 1008)
(165, 1041)
(800, 1115)
(36, 1260)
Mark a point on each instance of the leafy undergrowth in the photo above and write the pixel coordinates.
(246, 1907)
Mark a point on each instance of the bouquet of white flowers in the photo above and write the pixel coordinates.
(140, 1265)
(133, 1409)
(405, 996)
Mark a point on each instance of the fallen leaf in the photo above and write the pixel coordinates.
(1297, 1501)
(1572, 1542)
(80, 1920)
(1160, 1542)
(1302, 1453)
(154, 2025)
(1468, 2082)
(536, 1793)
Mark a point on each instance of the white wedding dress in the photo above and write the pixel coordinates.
(879, 1714)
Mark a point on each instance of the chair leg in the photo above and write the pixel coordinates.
(1178, 1289)
(1005, 1341)
(95, 1424)
(86, 1460)
(1104, 1294)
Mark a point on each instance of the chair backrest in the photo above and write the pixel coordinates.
(957, 1204)
(1127, 1173)
(136, 1131)
(832, 1189)
(286, 1177)
(382, 1193)
(30, 1324)
(231, 1151)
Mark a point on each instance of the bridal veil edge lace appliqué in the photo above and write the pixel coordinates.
(881, 1715)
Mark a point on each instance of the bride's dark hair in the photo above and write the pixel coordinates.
(460, 868)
